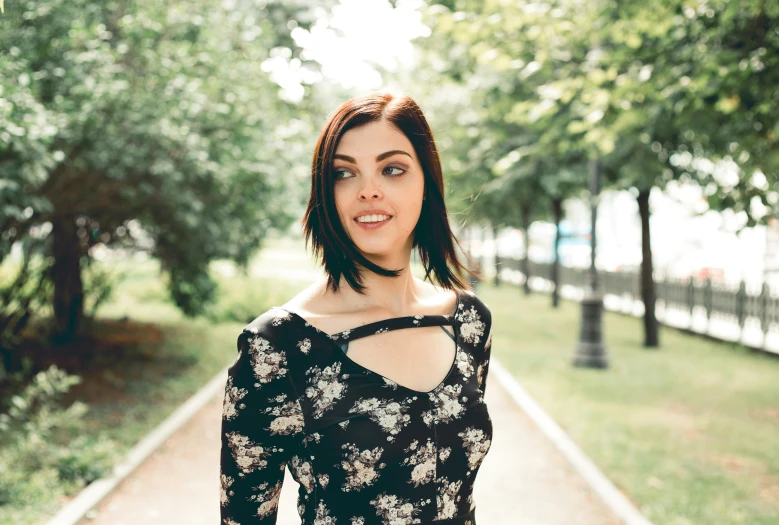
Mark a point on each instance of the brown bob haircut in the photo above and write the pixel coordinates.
(322, 225)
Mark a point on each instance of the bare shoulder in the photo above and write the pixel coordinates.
(436, 300)
(309, 302)
(319, 308)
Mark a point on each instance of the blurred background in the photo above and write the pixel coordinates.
(155, 164)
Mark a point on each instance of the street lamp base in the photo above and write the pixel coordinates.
(591, 355)
(590, 351)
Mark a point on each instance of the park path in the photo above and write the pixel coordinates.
(523, 480)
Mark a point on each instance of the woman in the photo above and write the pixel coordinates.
(379, 423)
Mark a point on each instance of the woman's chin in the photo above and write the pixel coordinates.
(376, 252)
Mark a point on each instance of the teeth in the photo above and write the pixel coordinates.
(372, 218)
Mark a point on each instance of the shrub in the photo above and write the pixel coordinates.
(45, 449)
(241, 298)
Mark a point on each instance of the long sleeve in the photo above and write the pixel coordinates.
(484, 359)
(262, 423)
(485, 363)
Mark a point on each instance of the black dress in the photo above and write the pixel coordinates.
(365, 449)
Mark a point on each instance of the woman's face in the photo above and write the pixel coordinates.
(376, 170)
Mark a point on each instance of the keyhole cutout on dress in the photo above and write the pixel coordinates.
(416, 358)
(417, 352)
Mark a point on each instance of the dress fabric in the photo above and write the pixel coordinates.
(365, 450)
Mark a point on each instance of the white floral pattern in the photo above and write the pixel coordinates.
(394, 510)
(323, 479)
(471, 325)
(481, 374)
(266, 362)
(361, 466)
(476, 445)
(226, 493)
(387, 454)
(390, 383)
(304, 473)
(323, 516)
(305, 345)
(289, 416)
(268, 499)
(447, 498)
(279, 317)
(314, 437)
(233, 395)
(390, 415)
(423, 460)
(248, 456)
(464, 363)
(446, 405)
(324, 388)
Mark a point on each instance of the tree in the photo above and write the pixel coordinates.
(157, 119)
(492, 51)
(648, 89)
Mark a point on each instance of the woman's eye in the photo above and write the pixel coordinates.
(337, 173)
(343, 174)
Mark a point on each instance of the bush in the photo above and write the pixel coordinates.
(45, 447)
(241, 298)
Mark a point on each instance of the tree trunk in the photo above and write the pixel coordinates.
(647, 279)
(470, 235)
(66, 275)
(498, 267)
(557, 211)
(525, 259)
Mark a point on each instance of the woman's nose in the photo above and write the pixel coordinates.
(369, 189)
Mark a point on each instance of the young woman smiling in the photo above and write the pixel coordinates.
(369, 384)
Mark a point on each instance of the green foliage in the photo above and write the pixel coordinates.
(45, 448)
(99, 285)
(149, 127)
(241, 298)
(24, 289)
(651, 89)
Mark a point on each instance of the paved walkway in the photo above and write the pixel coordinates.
(523, 480)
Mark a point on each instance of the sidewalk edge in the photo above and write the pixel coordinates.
(622, 508)
(93, 494)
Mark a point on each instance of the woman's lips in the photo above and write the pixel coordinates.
(372, 225)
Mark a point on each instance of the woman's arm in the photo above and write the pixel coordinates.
(262, 422)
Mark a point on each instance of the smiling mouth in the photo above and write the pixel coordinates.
(371, 225)
(376, 220)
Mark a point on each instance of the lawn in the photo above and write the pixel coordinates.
(689, 431)
(143, 359)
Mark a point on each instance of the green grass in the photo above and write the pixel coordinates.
(148, 365)
(191, 352)
(137, 390)
(689, 431)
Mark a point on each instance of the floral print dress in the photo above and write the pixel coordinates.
(364, 449)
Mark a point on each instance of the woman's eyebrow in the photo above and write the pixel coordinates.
(379, 157)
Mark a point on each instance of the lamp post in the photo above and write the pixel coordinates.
(590, 351)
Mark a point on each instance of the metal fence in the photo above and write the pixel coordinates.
(729, 312)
